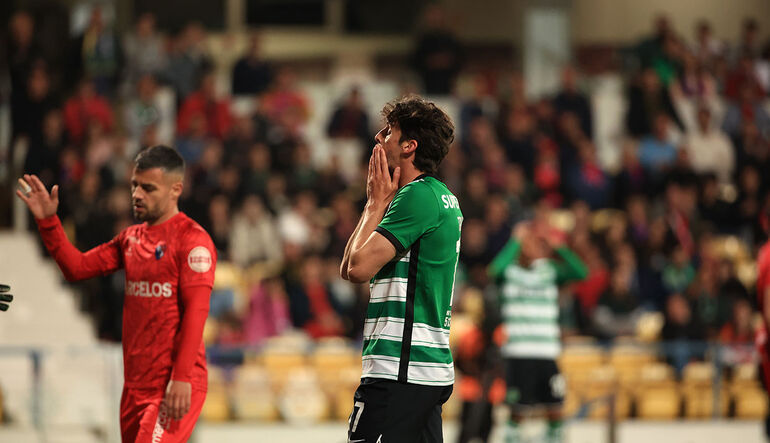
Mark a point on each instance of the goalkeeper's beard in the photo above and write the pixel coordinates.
(145, 215)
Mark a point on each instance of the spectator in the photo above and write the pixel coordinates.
(587, 181)
(711, 207)
(709, 149)
(268, 313)
(748, 108)
(438, 55)
(679, 328)
(218, 223)
(707, 47)
(205, 102)
(646, 100)
(251, 74)
(188, 60)
(84, 109)
(569, 99)
(695, 82)
(39, 100)
(667, 62)
(744, 76)
(254, 236)
(152, 108)
(145, 51)
(738, 336)
(23, 54)
(617, 312)
(518, 140)
(97, 54)
(45, 147)
(656, 153)
(751, 147)
(350, 120)
(679, 271)
(749, 44)
(650, 47)
(322, 319)
(284, 103)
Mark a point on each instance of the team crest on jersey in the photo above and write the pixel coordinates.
(199, 259)
(160, 250)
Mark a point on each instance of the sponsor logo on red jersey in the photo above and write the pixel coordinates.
(199, 259)
(148, 289)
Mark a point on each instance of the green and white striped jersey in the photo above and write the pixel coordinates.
(529, 299)
(406, 333)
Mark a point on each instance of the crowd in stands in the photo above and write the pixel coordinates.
(695, 145)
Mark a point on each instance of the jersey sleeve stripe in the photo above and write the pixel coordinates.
(391, 238)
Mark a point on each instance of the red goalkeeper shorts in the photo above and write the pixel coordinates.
(142, 422)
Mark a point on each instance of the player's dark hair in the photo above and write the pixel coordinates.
(424, 122)
(160, 156)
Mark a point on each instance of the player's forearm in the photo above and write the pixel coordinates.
(346, 254)
(509, 254)
(74, 264)
(371, 218)
(195, 300)
(572, 268)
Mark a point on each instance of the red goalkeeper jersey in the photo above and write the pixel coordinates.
(763, 276)
(169, 276)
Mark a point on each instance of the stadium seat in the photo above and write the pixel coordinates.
(656, 393)
(252, 396)
(580, 358)
(217, 407)
(698, 391)
(750, 402)
(658, 404)
(302, 401)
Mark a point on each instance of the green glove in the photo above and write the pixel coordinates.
(5, 298)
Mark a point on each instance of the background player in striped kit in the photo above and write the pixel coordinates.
(529, 301)
(406, 245)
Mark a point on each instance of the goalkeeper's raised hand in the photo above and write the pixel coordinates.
(5, 297)
(34, 194)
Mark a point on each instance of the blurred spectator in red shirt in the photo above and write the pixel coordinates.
(86, 108)
(743, 76)
(285, 104)
(204, 101)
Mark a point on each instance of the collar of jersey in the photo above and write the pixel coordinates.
(162, 225)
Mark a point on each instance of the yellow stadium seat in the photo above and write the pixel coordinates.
(302, 400)
(580, 358)
(699, 401)
(750, 402)
(252, 396)
(698, 391)
(217, 407)
(658, 404)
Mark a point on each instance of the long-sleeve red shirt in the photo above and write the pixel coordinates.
(169, 276)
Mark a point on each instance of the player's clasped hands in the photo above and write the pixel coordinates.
(33, 192)
(380, 186)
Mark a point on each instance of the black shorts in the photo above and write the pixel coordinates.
(386, 411)
(533, 382)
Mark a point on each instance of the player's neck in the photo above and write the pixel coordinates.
(408, 174)
(165, 217)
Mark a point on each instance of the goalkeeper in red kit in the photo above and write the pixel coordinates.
(169, 261)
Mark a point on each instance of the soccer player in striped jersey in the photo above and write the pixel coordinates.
(406, 246)
(529, 300)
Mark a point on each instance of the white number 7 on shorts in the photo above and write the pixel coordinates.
(357, 413)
